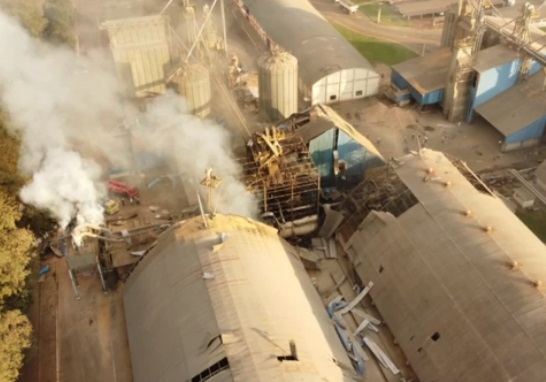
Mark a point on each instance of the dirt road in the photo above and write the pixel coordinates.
(92, 342)
(410, 37)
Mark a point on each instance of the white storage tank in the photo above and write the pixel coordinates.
(193, 83)
(278, 84)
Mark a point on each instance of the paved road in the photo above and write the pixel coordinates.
(409, 37)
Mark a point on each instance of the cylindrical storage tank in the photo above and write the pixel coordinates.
(450, 23)
(193, 84)
(278, 84)
(191, 26)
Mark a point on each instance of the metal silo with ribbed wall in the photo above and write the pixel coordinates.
(278, 84)
(193, 83)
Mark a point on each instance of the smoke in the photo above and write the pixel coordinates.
(65, 108)
(194, 146)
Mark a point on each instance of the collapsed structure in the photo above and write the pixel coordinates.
(281, 174)
(457, 276)
(226, 299)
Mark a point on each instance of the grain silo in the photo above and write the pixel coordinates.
(278, 84)
(226, 299)
(193, 83)
(191, 25)
(141, 47)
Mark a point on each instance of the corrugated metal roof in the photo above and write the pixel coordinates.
(445, 285)
(256, 294)
(427, 73)
(494, 56)
(517, 107)
(300, 29)
(324, 118)
(429, 7)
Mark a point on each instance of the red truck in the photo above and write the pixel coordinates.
(123, 189)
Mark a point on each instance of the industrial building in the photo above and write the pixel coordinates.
(330, 68)
(342, 154)
(422, 79)
(223, 298)
(457, 276)
(141, 49)
(419, 8)
(495, 77)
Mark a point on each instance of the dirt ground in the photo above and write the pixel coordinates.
(395, 131)
(92, 339)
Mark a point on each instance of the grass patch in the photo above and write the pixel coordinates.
(388, 14)
(535, 221)
(374, 50)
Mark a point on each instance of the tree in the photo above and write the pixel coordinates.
(28, 12)
(15, 332)
(60, 22)
(15, 245)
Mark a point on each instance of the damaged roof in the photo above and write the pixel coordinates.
(227, 300)
(324, 118)
(457, 277)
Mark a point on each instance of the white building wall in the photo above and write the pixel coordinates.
(345, 85)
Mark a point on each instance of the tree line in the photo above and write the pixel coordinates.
(51, 21)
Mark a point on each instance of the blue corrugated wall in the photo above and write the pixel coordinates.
(430, 98)
(357, 159)
(321, 150)
(534, 131)
(495, 81)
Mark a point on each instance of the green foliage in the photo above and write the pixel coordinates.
(389, 15)
(60, 22)
(374, 50)
(15, 334)
(28, 12)
(14, 257)
(15, 245)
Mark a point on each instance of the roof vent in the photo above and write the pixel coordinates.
(515, 265)
(488, 229)
(467, 213)
(447, 184)
(537, 284)
(430, 170)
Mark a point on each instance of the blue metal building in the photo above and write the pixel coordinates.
(519, 113)
(496, 70)
(341, 154)
(424, 77)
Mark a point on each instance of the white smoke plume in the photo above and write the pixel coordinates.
(65, 107)
(196, 145)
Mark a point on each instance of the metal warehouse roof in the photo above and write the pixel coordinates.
(427, 73)
(459, 297)
(494, 56)
(324, 118)
(300, 29)
(428, 7)
(230, 297)
(517, 107)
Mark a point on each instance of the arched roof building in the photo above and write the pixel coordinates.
(330, 68)
(457, 277)
(224, 303)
